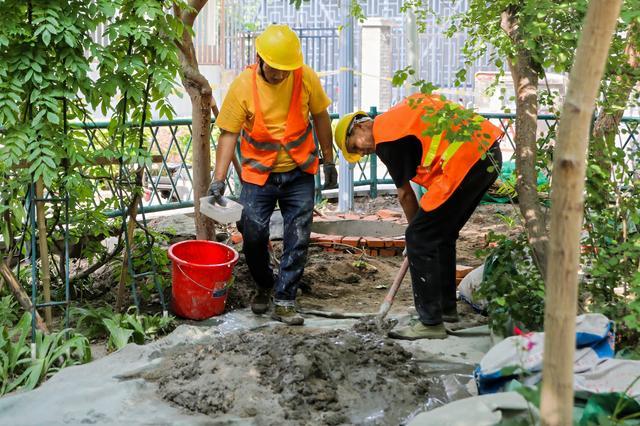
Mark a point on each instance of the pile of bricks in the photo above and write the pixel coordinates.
(372, 246)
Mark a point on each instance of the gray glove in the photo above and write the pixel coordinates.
(216, 190)
(330, 176)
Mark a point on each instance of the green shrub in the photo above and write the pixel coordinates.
(121, 328)
(18, 370)
(512, 286)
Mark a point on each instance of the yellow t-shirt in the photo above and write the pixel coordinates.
(238, 110)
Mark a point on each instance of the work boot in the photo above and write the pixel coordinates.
(261, 301)
(417, 330)
(450, 316)
(287, 315)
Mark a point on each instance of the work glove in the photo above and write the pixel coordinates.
(216, 190)
(404, 252)
(330, 176)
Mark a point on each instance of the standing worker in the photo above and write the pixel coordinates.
(269, 107)
(456, 176)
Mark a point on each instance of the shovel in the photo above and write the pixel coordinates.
(388, 300)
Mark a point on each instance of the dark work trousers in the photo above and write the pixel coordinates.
(431, 241)
(294, 193)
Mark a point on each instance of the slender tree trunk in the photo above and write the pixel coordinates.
(567, 202)
(45, 269)
(606, 126)
(124, 272)
(19, 293)
(200, 92)
(525, 81)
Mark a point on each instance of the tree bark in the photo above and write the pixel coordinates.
(19, 293)
(567, 202)
(131, 226)
(525, 82)
(200, 92)
(45, 268)
(605, 128)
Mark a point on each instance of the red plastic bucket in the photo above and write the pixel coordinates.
(201, 273)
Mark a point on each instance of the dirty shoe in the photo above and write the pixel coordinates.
(287, 315)
(260, 302)
(417, 330)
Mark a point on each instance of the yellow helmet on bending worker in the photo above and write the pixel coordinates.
(340, 135)
(280, 48)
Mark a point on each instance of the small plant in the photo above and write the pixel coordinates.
(53, 352)
(121, 328)
(512, 285)
(8, 311)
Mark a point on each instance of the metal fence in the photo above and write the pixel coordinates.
(168, 182)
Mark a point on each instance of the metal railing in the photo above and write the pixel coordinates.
(169, 185)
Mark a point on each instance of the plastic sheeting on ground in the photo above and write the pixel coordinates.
(594, 367)
(483, 410)
(111, 391)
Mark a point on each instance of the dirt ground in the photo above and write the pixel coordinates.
(293, 376)
(345, 282)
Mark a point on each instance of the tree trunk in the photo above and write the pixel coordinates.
(45, 269)
(567, 202)
(200, 92)
(131, 227)
(19, 293)
(606, 126)
(525, 82)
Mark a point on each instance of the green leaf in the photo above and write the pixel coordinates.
(118, 336)
(53, 118)
(46, 37)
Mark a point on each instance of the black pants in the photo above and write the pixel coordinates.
(431, 241)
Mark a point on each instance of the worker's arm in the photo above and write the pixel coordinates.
(408, 200)
(224, 153)
(322, 124)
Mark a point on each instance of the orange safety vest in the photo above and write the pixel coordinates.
(443, 165)
(259, 149)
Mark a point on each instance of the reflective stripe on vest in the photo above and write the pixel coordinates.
(275, 146)
(433, 150)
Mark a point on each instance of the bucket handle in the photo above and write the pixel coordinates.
(214, 293)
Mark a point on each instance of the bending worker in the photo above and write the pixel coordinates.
(269, 106)
(456, 176)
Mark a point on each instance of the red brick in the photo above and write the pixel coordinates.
(314, 237)
(373, 252)
(390, 219)
(328, 240)
(351, 241)
(398, 243)
(458, 281)
(236, 238)
(383, 214)
(373, 242)
(388, 252)
(371, 217)
(388, 242)
(352, 216)
(462, 271)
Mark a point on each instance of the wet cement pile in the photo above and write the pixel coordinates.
(282, 376)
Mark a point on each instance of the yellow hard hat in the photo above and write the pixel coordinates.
(280, 48)
(340, 136)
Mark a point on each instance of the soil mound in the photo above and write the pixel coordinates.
(282, 376)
